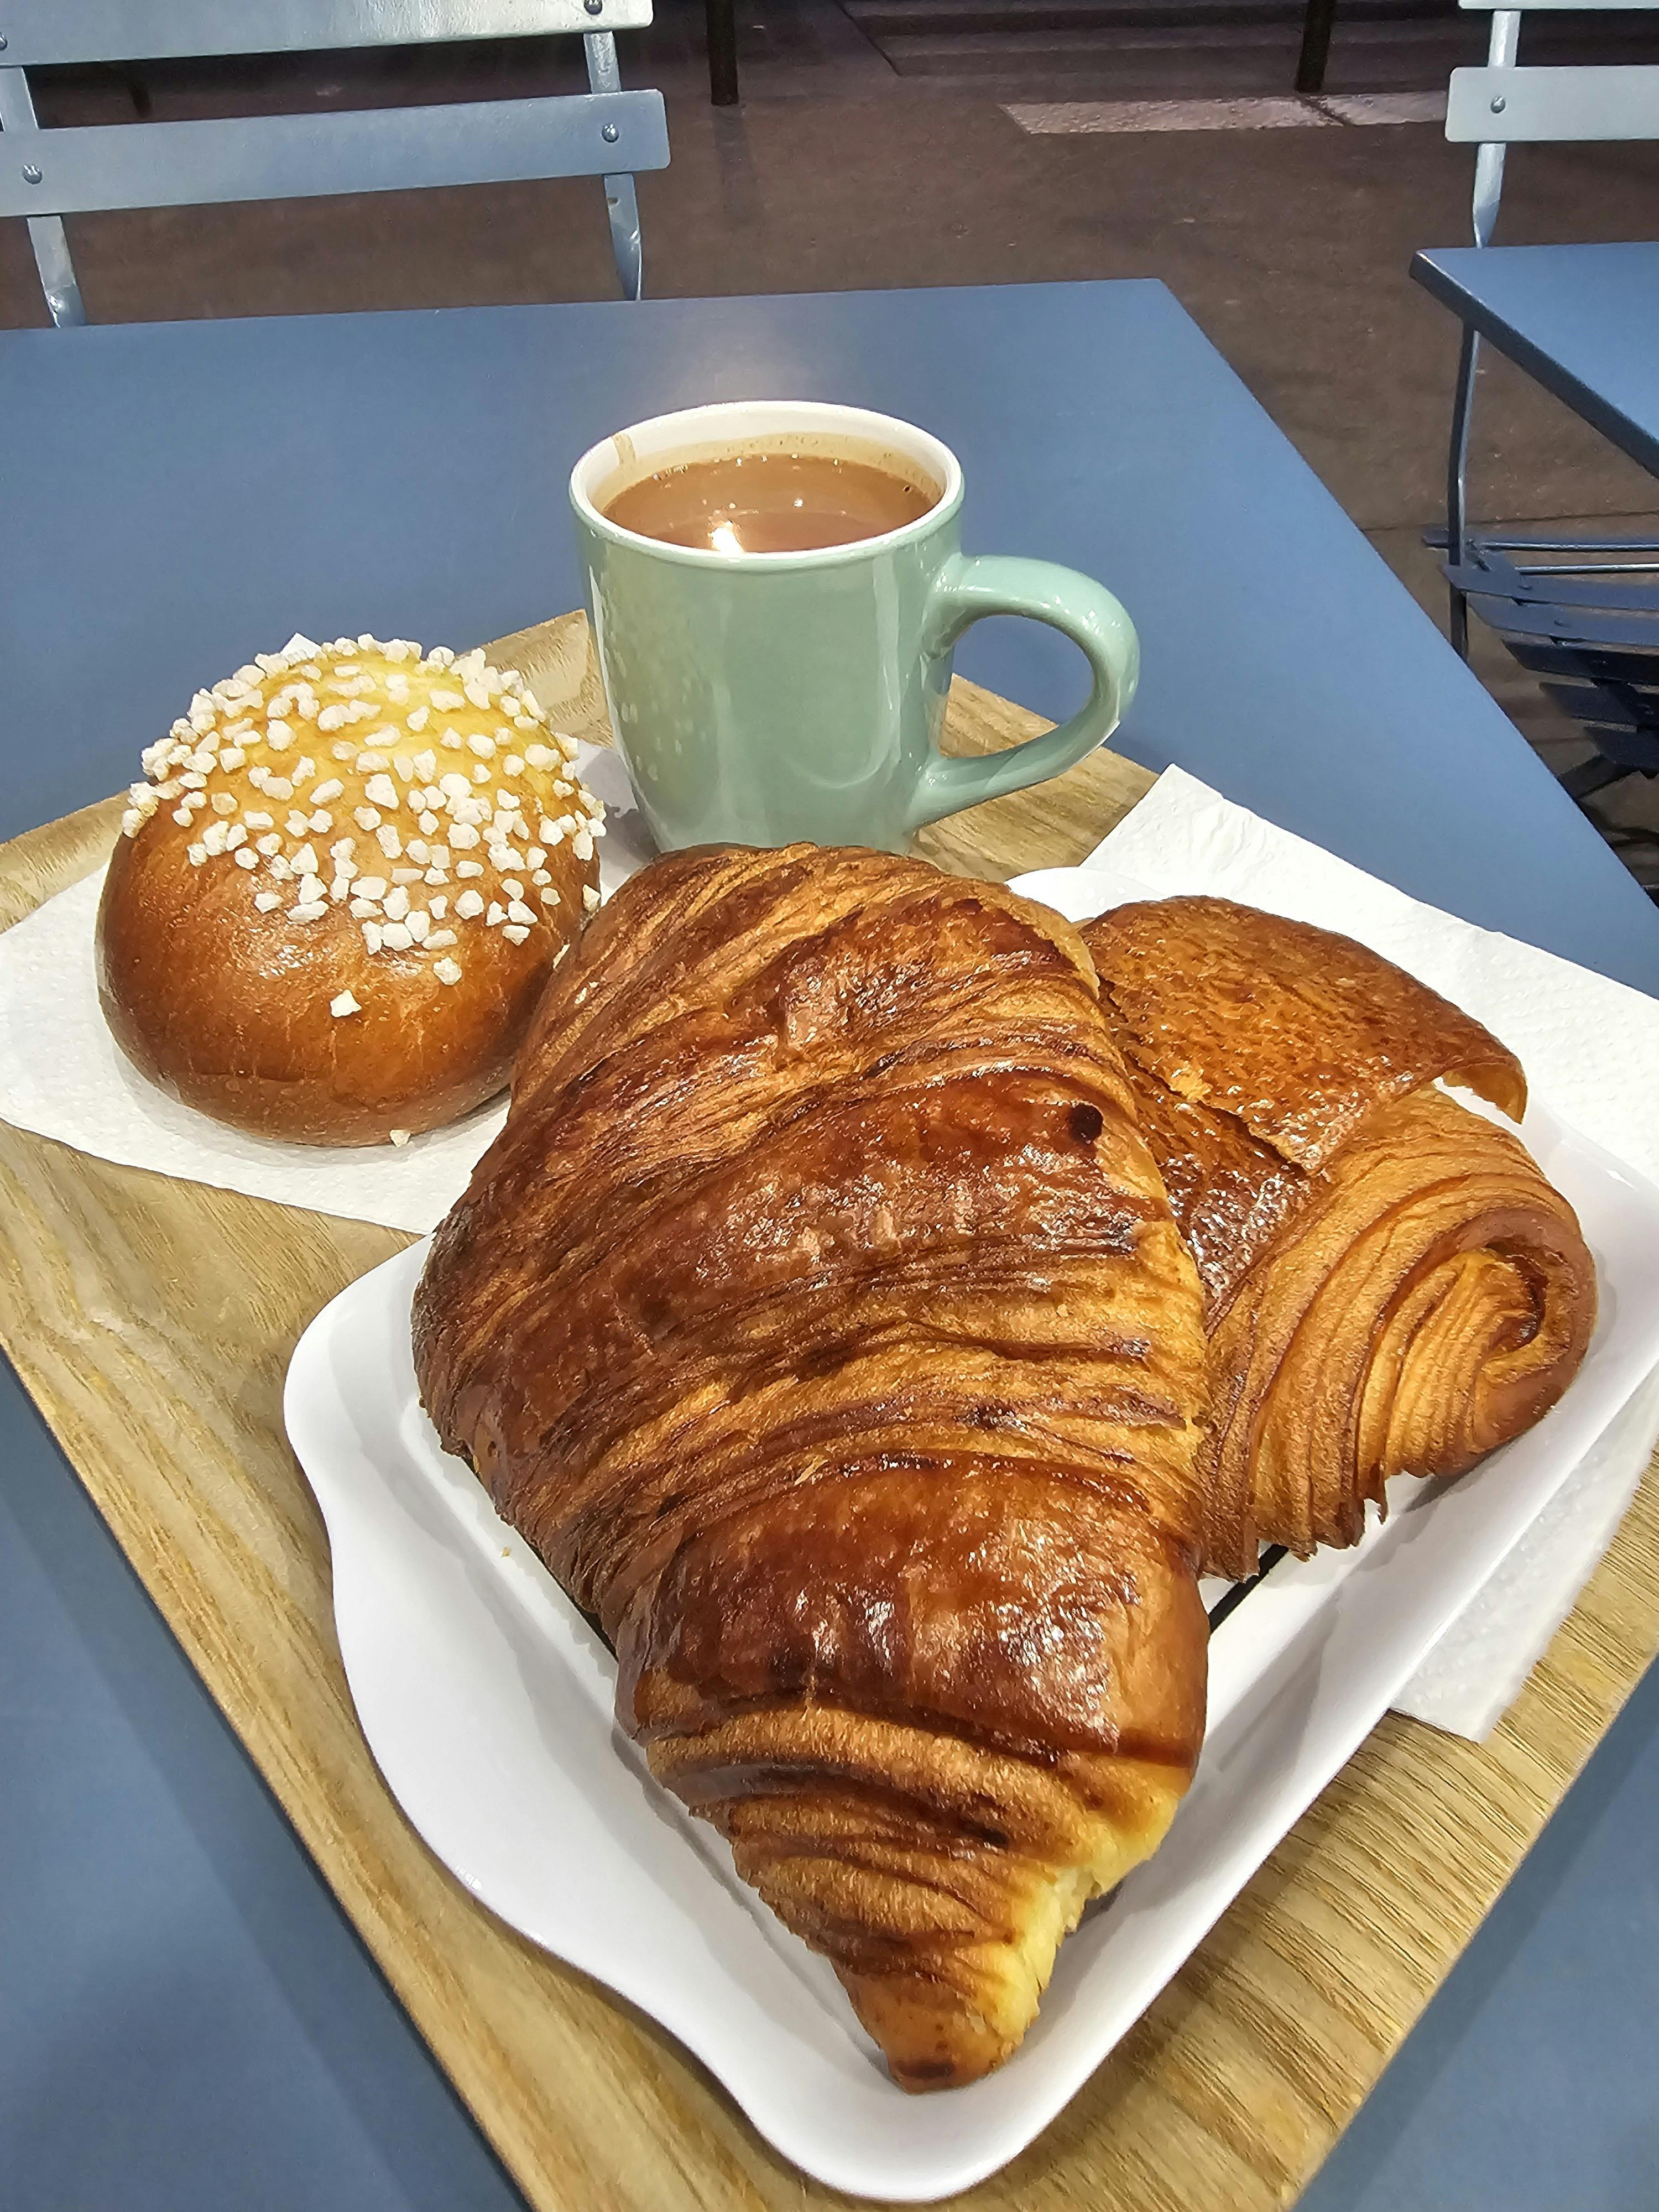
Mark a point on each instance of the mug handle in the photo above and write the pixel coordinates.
(970, 587)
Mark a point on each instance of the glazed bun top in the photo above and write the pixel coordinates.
(372, 776)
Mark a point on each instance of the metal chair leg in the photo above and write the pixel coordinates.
(58, 280)
(1457, 466)
(47, 233)
(1316, 27)
(622, 203)
(723, 52)
(623, 207)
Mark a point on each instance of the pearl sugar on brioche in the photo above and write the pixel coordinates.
(337, 898)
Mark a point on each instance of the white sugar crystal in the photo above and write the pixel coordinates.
(345, 1003)
(447, 970)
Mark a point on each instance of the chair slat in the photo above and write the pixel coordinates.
(1552, 107)
(40, 34)
(1634, 664)
(1599, 628)
(1551, 588)
(270, 157)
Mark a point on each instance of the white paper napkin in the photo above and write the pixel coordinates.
(1589, 1046)
(61, 1075)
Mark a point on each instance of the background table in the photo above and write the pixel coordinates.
(186, 2020)
(1583, 321)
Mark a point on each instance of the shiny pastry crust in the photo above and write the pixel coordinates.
(819, 1319)
(1390, 1284)
(336, 901)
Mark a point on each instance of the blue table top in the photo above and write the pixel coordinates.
(186, 2020)
(1583, 321)
(180, 497)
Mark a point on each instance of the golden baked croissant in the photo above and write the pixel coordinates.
(819, 1318)
(1390, 1284)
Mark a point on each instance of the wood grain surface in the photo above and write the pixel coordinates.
(152, 1321)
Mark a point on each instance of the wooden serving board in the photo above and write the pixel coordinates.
(153, 1320)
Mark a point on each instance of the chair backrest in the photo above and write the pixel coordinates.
(47, 174)
(1503, 105)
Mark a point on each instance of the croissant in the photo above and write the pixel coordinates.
(819, 1319)
(1390, 1284)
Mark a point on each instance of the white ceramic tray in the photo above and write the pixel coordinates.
(486, 1701)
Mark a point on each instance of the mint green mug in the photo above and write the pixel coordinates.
(758, 698)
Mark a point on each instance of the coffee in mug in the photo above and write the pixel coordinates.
(775, 496)
(776, 671)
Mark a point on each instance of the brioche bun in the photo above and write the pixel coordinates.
(334, 905)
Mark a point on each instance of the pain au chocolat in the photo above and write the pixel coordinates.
(819, 1318)
(336, 900)
(1390, 1284)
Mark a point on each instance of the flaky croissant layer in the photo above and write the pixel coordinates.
(819, 1317)
(1391, 1286)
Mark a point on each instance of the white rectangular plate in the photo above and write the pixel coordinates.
(487, 1700)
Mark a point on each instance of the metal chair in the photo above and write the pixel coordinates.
(1574, 613)
(47, 174)
(1492, 109)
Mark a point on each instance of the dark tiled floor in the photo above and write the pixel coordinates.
(873, 149)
